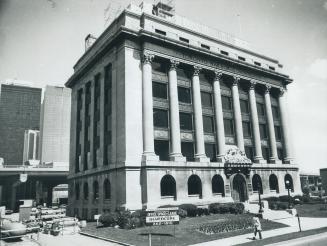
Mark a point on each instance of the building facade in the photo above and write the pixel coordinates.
(31, 147)
(323, 175)
(19, 111)
(166, 111)
(55, 125)
(311, 184)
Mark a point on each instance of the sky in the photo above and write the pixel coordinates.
(41, 40)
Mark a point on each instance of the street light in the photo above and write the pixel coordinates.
(259, 191)
(288, 191)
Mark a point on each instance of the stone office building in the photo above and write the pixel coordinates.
(166, 111)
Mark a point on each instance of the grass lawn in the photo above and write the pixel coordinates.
(185, 233)
(285, 237)
(312, 210)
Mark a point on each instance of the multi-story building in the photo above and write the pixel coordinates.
(311, 184)
(31, 147)
(323, 175)
(19, 111)
(55, 125)
(167, 111)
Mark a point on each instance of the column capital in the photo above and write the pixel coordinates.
(268, 87)
(147, 58)
(282, 91)
(173, 64)
(218, 75)
(252, 84)
(196, 70)
(236, 80)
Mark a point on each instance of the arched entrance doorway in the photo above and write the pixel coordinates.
(239, 193)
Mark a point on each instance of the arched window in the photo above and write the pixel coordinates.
(168, 186)
(86, 191)
(273, 183)
(194, 185)
(256, 183)
(77, 191)
(95, 190)
(289, 182)
(218, 185)
(107, 189)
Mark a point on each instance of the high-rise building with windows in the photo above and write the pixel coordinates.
(19, 111)
(167, 111)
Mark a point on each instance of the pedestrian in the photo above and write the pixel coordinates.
(257, 226)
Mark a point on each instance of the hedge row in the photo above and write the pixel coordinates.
(124, 219)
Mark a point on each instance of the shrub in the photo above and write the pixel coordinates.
(285, 198)
(223, 208)
(202, 211)
(190, 209)
(123, 218)
(182, 213)
(272, 199)
(109, 219)
(141, 215)
(228, 225)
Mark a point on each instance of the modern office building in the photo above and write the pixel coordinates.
(19, 111)
(31, 147)
(55, 125)
(168, 111)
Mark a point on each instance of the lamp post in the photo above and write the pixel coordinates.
(259, 192)
(287, 182)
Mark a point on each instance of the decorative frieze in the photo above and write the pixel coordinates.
(209, 138)
(161, 134)
(187, 136)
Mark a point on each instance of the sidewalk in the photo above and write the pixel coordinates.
(306, 224)
(308, 240)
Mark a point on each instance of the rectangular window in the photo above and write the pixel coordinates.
(249, 152)
(226, 102)
(224, 53)
(206, 99)
(265, 153)
(241, 58)
(208, 124)
(158, 66)
(188, 150)
(261, 109)
(257, 64)
(280, 153)
(161, 148)
(275, 112)
(159, 90)
(278, 133)
(246, 129)
(244, 106)
(210, 150)
(185, 120)
(184, 40)
(205, 46)
(272, 68)
(160, 118)
(263, 131)
(229, 127)
(160, 32)
(184, 95)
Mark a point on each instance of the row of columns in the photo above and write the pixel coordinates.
(175, 151)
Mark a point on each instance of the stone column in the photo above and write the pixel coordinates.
(219, 117)
(147, 105)
(102, 127)
(198, 121)
(1, 195)
(237, 114)
(271, 128)
(288, 154)
(255, 124)
(175, 135)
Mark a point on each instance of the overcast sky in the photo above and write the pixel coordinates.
(40, 41)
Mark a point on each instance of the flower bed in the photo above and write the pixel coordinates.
(228, 225)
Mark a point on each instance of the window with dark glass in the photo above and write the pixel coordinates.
(265, 153)
(161, 148)
(185, 120)
(188, 150)
(229, 127)
(208, 124)
(249, 152)
(278, 133)
(159, 90)
(263, 131)
(107, 189)
(280, 153)
(206, 99)
(160, 118)
(95, 190)
(181, 73)
(246, 129)
(275, 112)
(226, 102)
(184, 94)
(244, 106)
(210, 150)
(158, 67)
(260, 109)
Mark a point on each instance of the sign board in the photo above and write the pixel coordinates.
(23, 177)
(163, 216)
(97, 216)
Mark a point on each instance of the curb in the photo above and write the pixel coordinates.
(105, 239)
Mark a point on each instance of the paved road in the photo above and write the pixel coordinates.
(313, 240)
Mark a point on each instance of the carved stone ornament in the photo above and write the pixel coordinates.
(218, 76)
(147, 58)
(236, 80)
(196, 70)
(281, 91)
(252, 84)
(267, 91)
(236, 156)
(173, 64)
